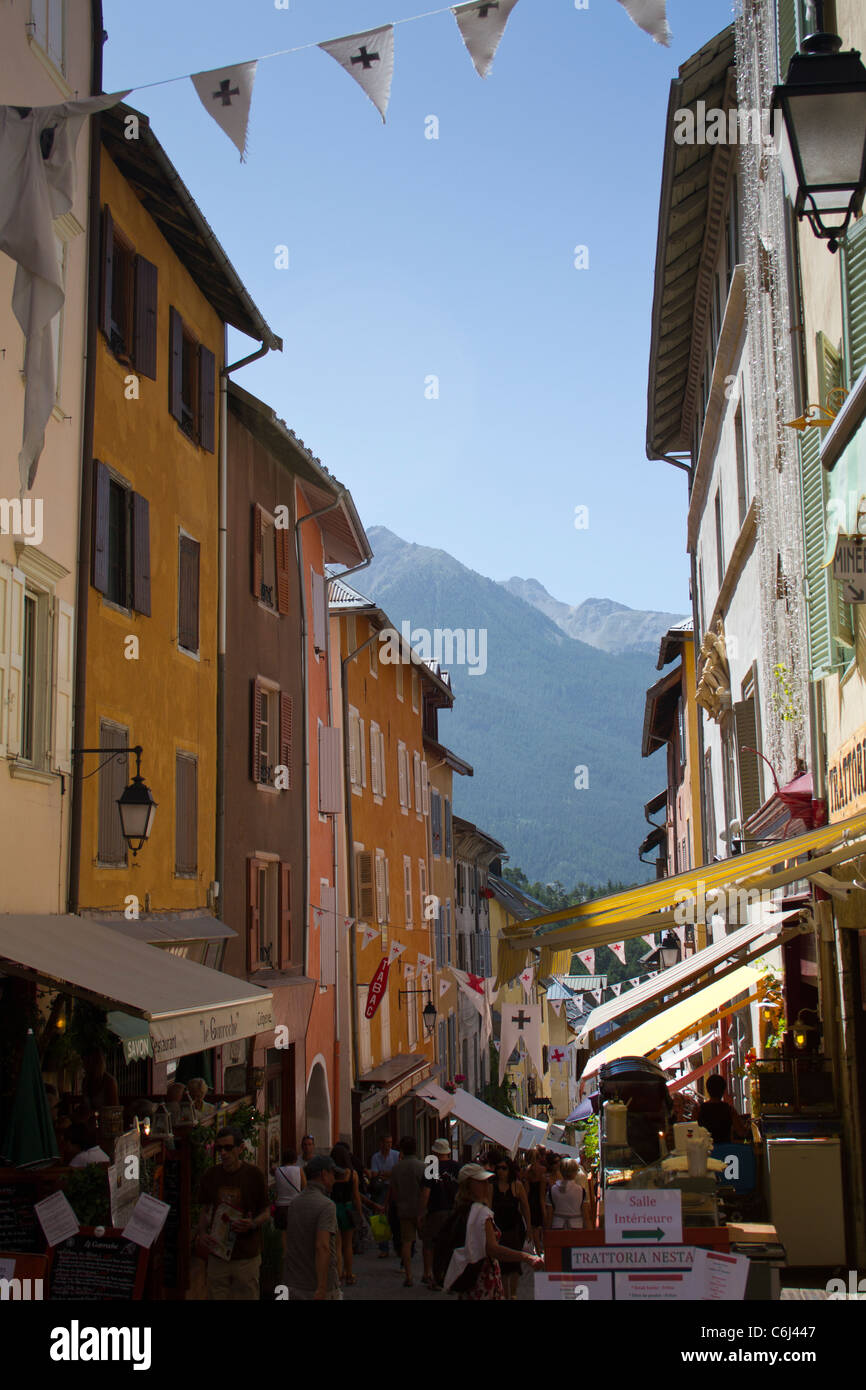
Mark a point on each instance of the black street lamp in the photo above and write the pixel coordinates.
(136, 805)
(818, 121)
(669, 951)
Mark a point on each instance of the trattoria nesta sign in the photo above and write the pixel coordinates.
(846, 778)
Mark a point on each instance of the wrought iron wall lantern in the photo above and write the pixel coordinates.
(136, 805)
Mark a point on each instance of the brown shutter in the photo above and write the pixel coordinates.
(106, 270)
(100, 526)
(187, 604)
(144, 331)
(282, 535)
(285, 916)
(140, 554)
(113, 778)
(175, 364)
(256, 738)
(366, 905)
(252, 914)
(206, 402)
(258, 542)
(286, 735)
(750, 791)
(186, 814)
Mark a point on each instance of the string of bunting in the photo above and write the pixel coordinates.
(226, 93)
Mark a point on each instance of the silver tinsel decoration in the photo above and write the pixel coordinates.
(773, 448)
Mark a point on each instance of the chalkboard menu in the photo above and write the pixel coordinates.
(171, 1192)
(95, 1268)
(20, 1231)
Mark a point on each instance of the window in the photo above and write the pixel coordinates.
(747, 733)
(121, 542)
(448, 845)
(357, 752)
(440, 936)
(729, 776)
(403, 776)
(461, 883)
(187, 593)
(48, 26)
(452, 1044)
(113, 781)
(29, 677)
(192, 383)
(271, 741)
(365, 893)
(36, 664)
(269, 915)
(128, 300)
(407, 889)
(720, 545)
(186, 816)
(436, 823)
(377, 759)
(270, 550)
(448, 931)
(382, 904)
(742, 474)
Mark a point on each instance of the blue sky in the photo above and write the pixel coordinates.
(454, 258)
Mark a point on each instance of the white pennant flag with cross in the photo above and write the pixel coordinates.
(526, 978)
(616, 990)
(444, 986)
(408, 971)
(651, 16)
(618, 948)
(318, 916)
(482, 24)
(649, 941)
(588, 959)
(369, 58)
(556, 1005)
(369, 933)
(557, 1055)
(226, 93)
(396, 951)
(521, 1021)
(348, 923)
(424, 963)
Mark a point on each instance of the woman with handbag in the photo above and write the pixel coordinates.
(511, 1215)
(473, 1271)
(290, 1182)
(346, 1194)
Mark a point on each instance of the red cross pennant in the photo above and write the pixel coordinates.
(476, 982)
(557, 1054)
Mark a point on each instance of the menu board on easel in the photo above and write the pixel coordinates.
(19, 1229)
(97, 1268)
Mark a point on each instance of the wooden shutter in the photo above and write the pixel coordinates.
(814, 484)
(854, 300)
(747, 734)
(106, 272)
(425, 787)
(328, 935)
(258, 545)
(447, 828)
(407, 888)
(253, 917)
(256, 731)
(354, 750)
(144, 329)
(101, 491)
(188, 594)
(5, 608)
(15, 660)
(374, 759)
(320, 611)
(64, 647)
(380, 888)
(140, 554)
(286, 715)
(362, 740)
(402, 774)
(175, 364)
(282, 537)
(436, 822)
(113, 776)
(383, 780)
(419, 795)
(206, 398)
(366, 903)
(285, 943)
(330, 758)
(186, 814)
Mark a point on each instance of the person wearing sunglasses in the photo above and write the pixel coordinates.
(241, 1186)
(511, 1216)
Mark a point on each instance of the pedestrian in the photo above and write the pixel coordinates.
(308, 1148)
(476, 1259)
(383, 1161)
(569, 1199)
(198, 1089)
(717, 1115)
(407, 1178)
(290, 1183)
(436, 1205)
(346, 1196)
(240, 1185)
(511, 1215)
(536, 1184)
(310, 1266)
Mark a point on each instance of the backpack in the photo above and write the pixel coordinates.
(451, 1237)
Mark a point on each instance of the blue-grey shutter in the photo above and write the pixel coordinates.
(817, 583)
(175, 364)
(854, 300)
(101, 490)
(141, 554)
(144, 328)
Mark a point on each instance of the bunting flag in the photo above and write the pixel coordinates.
(578, 999)
(556, 1005)
(521, 1021)
(369, 933)
(226, 94)
(444, 986)
(587, 958)
(526, 979)
(618, 948)
(481, 991)
(408, 971)
(369, 58)
(318, 916)
(396, 951)
(616, 990)
(596, 994)
(37, 185)
(651, 16)
(424, 963)
(650, 942)
(497, 1044)
(557, 1055)
(348, 923)
(482, 24)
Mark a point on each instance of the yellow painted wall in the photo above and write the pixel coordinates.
(166, 698)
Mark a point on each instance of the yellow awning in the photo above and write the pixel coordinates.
(651, 906)
(659, 1030)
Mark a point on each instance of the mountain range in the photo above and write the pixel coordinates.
(551, 723)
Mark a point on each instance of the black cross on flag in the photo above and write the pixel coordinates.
(521, 1022)
(227, 93)
(482, 24)
(369, 58)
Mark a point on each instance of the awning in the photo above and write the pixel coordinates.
(502, 1129)
(682, 1081)
(687, 971)
(188, 1008)
(648, 1036)
(650, 907)
(134, 1033)
(675, 1055)
(156, 930)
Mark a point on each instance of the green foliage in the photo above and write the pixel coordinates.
(589, 1141)
(87, 1193)
(783, 694)
(88, 1028)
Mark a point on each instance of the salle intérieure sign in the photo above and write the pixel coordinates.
(846, 778)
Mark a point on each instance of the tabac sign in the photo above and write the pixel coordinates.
(846, 778)
(849, 568)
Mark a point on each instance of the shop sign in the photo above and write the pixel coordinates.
(636, 1216)
(373, 1105)
(378, 985)
(849, 568)
(846, 779)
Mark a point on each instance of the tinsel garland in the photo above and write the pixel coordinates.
(773, 447)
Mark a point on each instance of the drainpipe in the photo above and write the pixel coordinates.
(85, 515)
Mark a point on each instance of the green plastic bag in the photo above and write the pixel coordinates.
(380, 1228)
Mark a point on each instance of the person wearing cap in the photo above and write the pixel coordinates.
(481, 1243)
(310, 1266)
(437, 1201)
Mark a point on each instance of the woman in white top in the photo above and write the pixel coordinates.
(481, 1244)
(567, 1198)
(290, 1182)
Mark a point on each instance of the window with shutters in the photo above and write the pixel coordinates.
(448, 931)
(854, 300)
(375, 760)
(354, 750)
(319, 586)
(747, 757)
(365, 892)
(47, 27)
(113, 781)
(186, 816)
(271, 735)
(270, 561)
(425, 788)
(192, 383)
(121, 542)
(403, 777)
(448, 836)
(422, 888)
(187, 593)
(382, 904)
(128, 300)
(436, 823)
(407, 889)
(36, 665)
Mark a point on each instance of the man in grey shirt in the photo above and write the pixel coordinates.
(311, 1236)
(407, 1180)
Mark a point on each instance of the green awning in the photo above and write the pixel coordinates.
(134, 1033)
